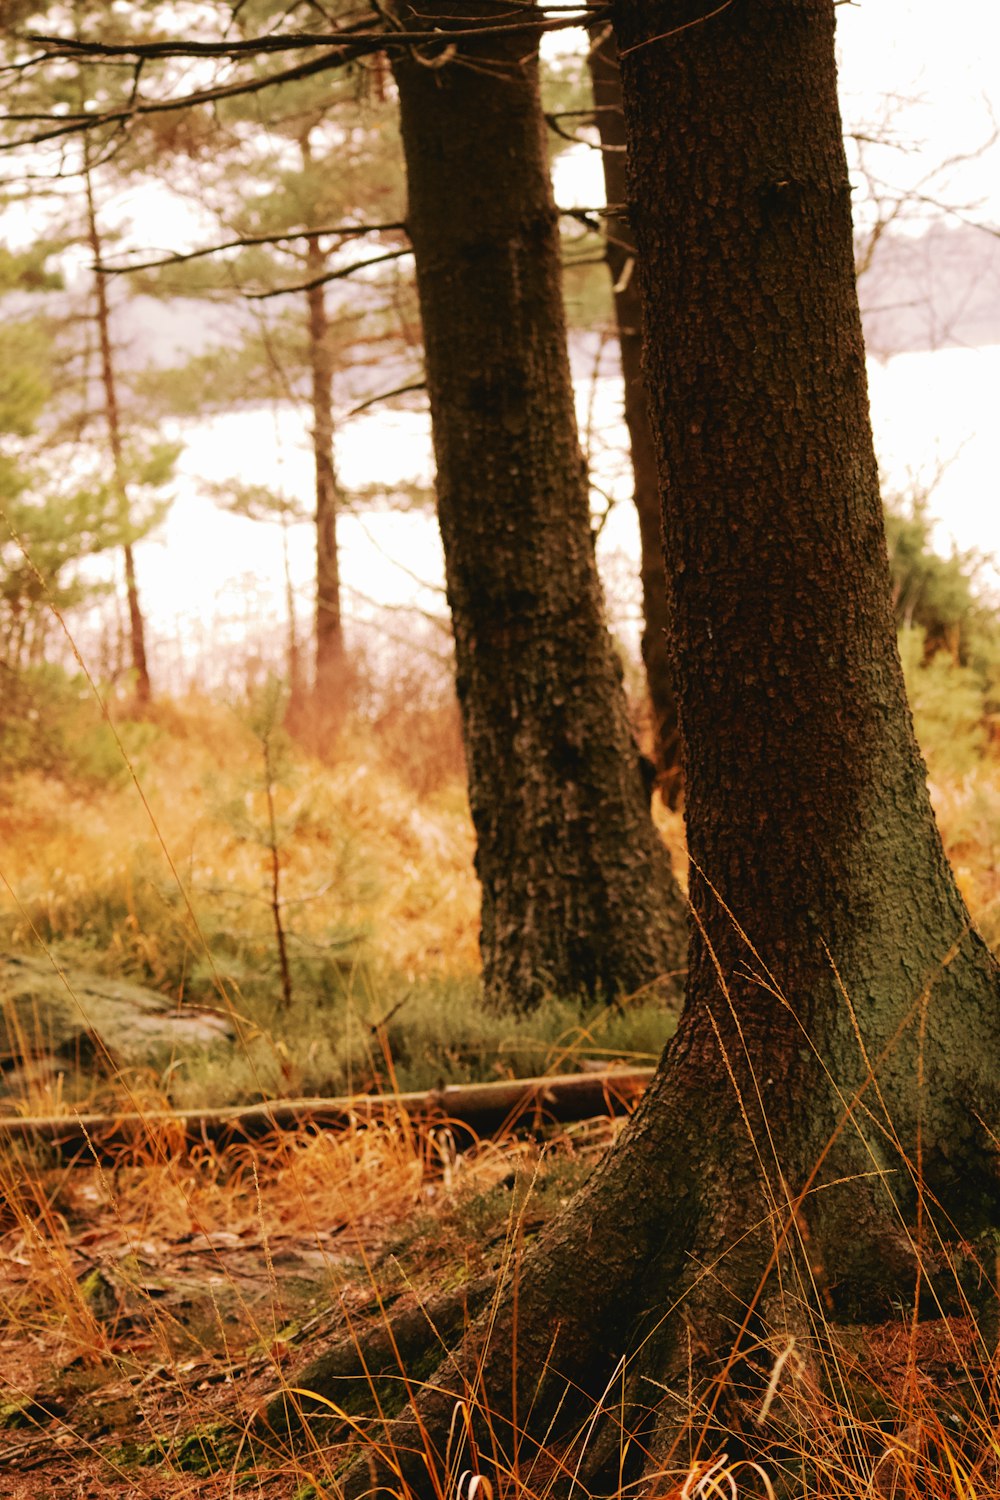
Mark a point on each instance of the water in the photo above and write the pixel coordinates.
(210, 579)
(934, 414)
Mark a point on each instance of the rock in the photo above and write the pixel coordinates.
(54, 1019)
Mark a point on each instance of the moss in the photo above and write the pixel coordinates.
(29, 1411)
(14, 1414)
(203, 1450)
(383, 1393)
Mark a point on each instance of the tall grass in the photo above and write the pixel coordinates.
(378, 908)
(365, 859)
(164, 1298)
(180, 1292)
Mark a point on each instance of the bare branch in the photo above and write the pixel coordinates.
(525, 19)
(73, 124)
(399, 390)
(72, 47)
(529, 20)
(585, 216)
(338, 275)
(247, 241)
(339, 49)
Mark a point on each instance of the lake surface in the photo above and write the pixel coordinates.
(212, 583)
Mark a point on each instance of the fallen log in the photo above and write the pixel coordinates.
(483, 1108)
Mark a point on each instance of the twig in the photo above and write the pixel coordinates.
(340, 50)
(338, 275)
(247, 241)
(399, 390)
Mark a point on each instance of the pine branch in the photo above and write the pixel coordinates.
(248, 241)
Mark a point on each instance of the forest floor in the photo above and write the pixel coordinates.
(149, 1307)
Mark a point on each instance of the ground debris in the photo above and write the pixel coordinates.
(148, 1311)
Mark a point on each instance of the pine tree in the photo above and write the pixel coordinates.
(578, 896)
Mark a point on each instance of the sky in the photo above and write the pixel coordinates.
(940, 61)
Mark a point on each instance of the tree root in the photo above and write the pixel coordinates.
(370, 1370)
(680, 1307)
(748, 1372)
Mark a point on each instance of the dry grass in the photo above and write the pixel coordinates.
(146, 1310)
(376, 870)
(968, 812)
(361, 851)
(172, 889)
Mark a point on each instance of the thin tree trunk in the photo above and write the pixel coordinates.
(294, 651)
(577, 893)
(274, 852)
(330, 653)
(331, 657)
(137, 632)
(620, 252)
(830, 1104)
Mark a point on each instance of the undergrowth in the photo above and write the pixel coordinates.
(152, 1310)
(151, 1307)
(378, 905)
(176, 889)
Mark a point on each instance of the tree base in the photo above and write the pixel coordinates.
(776, 1388)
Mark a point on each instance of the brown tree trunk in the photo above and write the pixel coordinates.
(331, 657)
(137, 630)
(830, 1104)
(808, 819)
(578, 897)
(605, 78)
(293, 655)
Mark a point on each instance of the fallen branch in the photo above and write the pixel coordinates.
(485, 1108)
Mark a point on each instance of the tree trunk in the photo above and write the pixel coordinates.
(137, 629)
(620, 253)
(824, 1123)
(331, 658)
(293, 654)
(809, 824)
(578, 896)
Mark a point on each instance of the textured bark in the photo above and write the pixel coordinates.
(362, 1369)
(834, 1082)
(807, 814)
(605, 78)
(578, 895)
